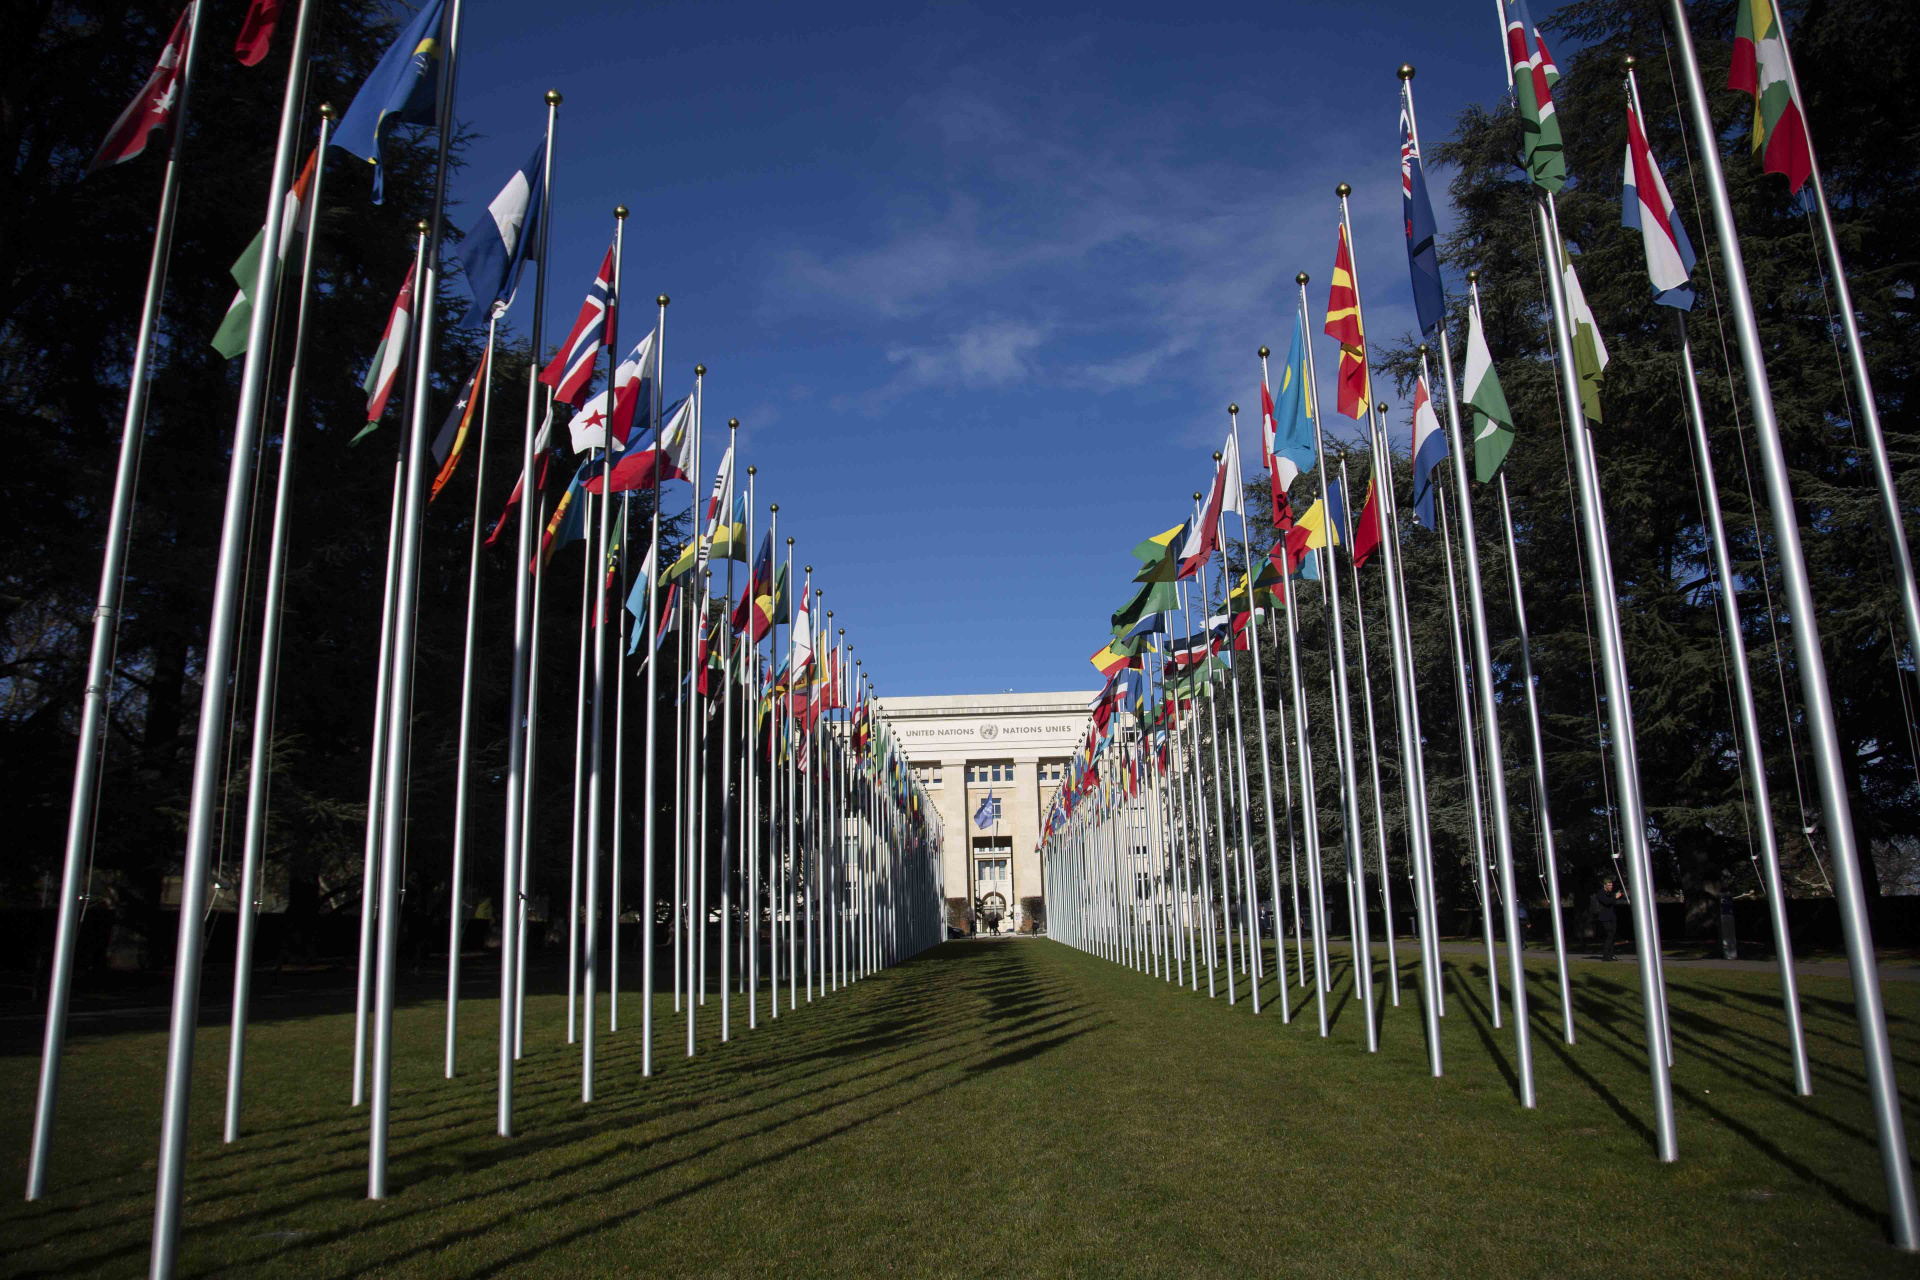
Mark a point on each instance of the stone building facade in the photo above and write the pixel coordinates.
(990, 764)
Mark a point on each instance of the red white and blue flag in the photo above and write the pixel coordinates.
(1647, 208)
(572, 369)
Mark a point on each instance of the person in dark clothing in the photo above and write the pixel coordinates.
(1602, 910)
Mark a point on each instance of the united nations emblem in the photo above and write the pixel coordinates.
(988, 732)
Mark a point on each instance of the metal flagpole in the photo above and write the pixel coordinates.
(1749, 718)
(259, 767)
(1373, 741)
(587, 573)
(457, 892)
(1849, 894)
(530, 718)
(1469, 760)
(1619, 704)
(1199, 817)
(749, 714)
(106, 625)
(726, 761)
(513, 851)
(399, 711)
(589, 953)
(1890, 506)
(1266, 759)
(1483, 686)
(1412, 757)
(650, 818)
(618, 886)
(1219, 806)
(690, 824)
(1360, 934)
(791, 874)
(773, 861)
(217, 670)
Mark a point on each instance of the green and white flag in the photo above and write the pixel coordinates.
(231, 338)
(1589, 349)
(1492, 420)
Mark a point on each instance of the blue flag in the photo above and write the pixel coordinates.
(983, 816)
(1429, 299)
(1337, 510)
(403, 89)
(504, 238)
(1293, 412)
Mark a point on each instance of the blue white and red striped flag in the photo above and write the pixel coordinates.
(1647, 208)
(572, 369)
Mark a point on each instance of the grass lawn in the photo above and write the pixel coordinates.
(1001, 1107)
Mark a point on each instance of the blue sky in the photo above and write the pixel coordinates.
(978, 281)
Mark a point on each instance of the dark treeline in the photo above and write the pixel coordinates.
(73, 265)
(1867, 130)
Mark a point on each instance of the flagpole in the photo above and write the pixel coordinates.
(217, 671)
(1197, 813)
(587, 573)
(690, 819)
(1890, 507)
(1619, 704)
(1293, 675)
(399, 712)
(1483, 685)
(650, 818)
(749, 709)
(1412, 753)
(1849, 894)
(1742, 691)
(726, 763)
(1373, 740)
(619, 763)
(106, 625)
(260, 763)
(1361, 937)
(589, 954)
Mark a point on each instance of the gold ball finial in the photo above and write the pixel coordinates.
(1301, 278)
(775, 508)
(620, 212)
(789, 539)
(1406, 71)
(1264, 353)
(752, 471)
(733, 424)
(662, 300)
(699, 371)
(1627, 62)
(818, 593)
(1216, 455)
(1421, 349)
(422, 227)
(1473, 277)
(1196, 495)
(1343, 191)
(1381, 406)
(326, 111)
(553, 97)
(1234, 409)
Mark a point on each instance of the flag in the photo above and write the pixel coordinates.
(1366, 539)
(1156, 548)
(1233, 496)
(1423, 260)
(1313, 524)
(1429, 450)
(1107, 660)
(983, 816)
(1646, 207)
(1343, 326)
(568, 523)
(1589, 348)
(572, 367)
(1759, 67)
(231, 338)
(1337, 511)
(761, 581)
(773, 608)
(452, 440)
(632, 395)
(152, 108)
(1293, 420)
(384, 369)
(1152, 597)
(1205, 533)
(1492, 420)
(403, 89)
(671, 451)
(542, 440)
(1151, 624)
(1533, 78)
(256, 32)
(504, 238)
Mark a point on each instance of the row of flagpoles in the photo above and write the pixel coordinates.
(768, 779)
(1149, 845)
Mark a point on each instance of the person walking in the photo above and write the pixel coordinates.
(1603, 910)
